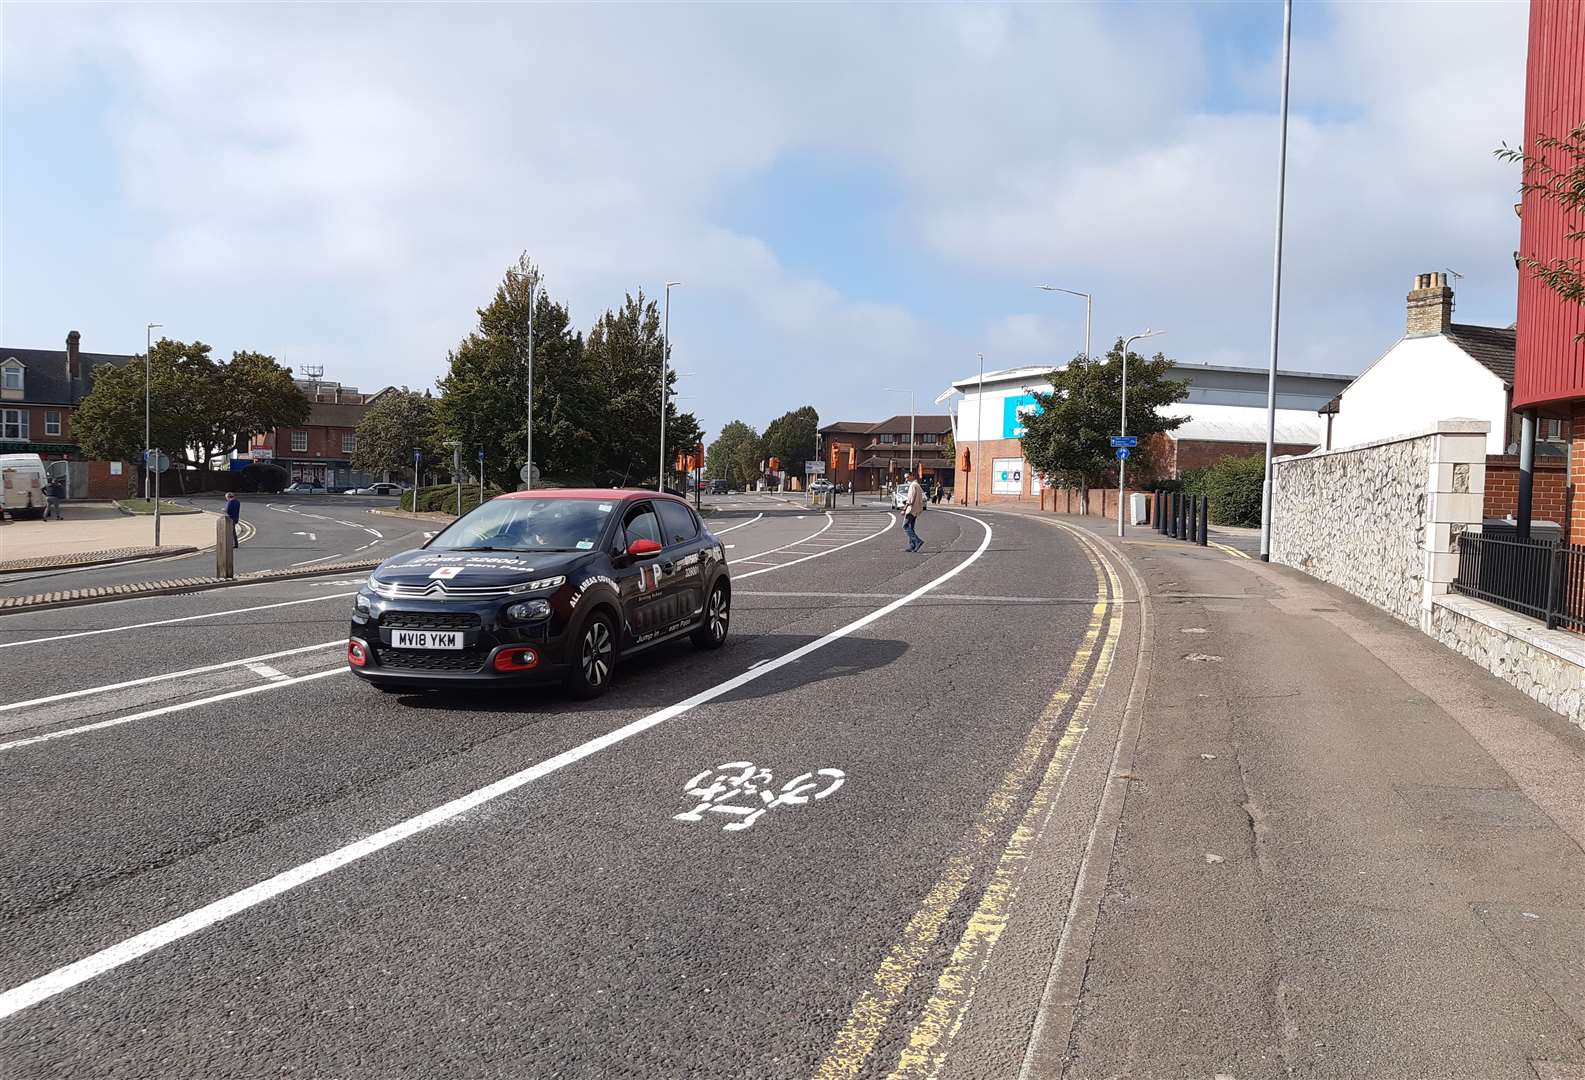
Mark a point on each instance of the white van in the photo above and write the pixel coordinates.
(22, 483)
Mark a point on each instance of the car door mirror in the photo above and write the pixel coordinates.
(643, 546)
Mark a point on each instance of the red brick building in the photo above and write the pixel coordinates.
(1549, 360)
(871, 456)
(320, 450)
(40, 390)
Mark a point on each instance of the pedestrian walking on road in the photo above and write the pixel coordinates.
(54, 495)
(912, 508)
(234, 514)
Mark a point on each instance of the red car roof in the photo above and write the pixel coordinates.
(589, 493)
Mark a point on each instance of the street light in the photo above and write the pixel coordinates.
(912, 413)
(1276, 294)
(1122, 462)
(148, 339)
(528, 481)
(1088, 306)
(665, 359)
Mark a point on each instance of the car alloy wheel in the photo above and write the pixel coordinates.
(719, 614)
(595, 654)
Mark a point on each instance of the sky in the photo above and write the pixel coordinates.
(857, 199)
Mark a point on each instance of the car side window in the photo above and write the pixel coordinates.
(640, 523)
(678, 521)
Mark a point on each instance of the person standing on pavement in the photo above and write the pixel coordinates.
(54, 495)
(913, 506)
(233, 514)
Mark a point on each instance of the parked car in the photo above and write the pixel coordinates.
(381, 488)
(821, 487)
(540, 586)
(719, 487)
(900, 497)
(304, 487)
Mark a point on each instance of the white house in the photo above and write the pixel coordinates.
(1438, 370)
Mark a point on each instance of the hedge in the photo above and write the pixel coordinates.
(442, 498)
(1233, 486)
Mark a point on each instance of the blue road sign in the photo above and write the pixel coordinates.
(1122, 453)
(481, 457)
(418, 456)
(1125, 440)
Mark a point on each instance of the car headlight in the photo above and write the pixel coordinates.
(542, 583)
(529, 610)
(360, 604)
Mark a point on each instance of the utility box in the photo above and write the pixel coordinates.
(1137, 503)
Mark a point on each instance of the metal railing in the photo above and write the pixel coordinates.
(1544, 579)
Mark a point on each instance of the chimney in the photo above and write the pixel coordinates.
(1430, 305)
(73, 358)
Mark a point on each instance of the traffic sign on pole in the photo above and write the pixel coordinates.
(1125, 440)
(1122, 453)
(528, 473)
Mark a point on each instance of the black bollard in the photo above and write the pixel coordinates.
(1205, 521)
(1172, 513)
(1194, 512)
(1183, 516)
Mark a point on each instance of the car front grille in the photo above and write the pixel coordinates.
(430, 620)
(434, 660)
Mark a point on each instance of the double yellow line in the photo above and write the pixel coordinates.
(924, 1051)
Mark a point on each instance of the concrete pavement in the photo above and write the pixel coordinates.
(1345, 850)
(101, 527)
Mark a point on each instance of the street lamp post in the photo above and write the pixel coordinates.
(912, 417)
(1276, 294)
(665, 360)
(148, 370)
(979, 414)
(533, 283)
(1122, 462)
(1088, 307)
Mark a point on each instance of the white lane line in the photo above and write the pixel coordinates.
(322, 558)
(830, 521)
(50, 736)
(265, 671)
(64, 978)
(247, 661)
(167, 622)
(750, 521)
(890, 521)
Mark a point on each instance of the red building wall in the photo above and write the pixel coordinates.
(1549, 495)
(1549, 364)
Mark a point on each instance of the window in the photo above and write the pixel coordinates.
(12, 375)
(678, 521)
(349, 444)
(14, 424)
(930, 437)
(546, 524)
(641, 524)
(52, 422)
(299, 441)
(888, 437)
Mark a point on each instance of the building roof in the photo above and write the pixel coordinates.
(1238, 423)
(847, 427)
(46, 381)
(922, 424)
(1015, 374)
(1491, 346)
(334, 414)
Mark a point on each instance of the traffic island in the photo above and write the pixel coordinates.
(74, 597)
(92, 558)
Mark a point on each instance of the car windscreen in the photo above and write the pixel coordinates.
(548, 524)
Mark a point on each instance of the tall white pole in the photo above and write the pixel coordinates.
(1276, 291)
(148, 375)
(1122, 429)
(528, 484)
(1088, 309)
(665, 359)
(979, 411)
(913, 412)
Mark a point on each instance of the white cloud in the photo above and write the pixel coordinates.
(398, 158)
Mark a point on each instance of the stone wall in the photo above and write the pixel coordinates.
(1549, 665)
(1380, 520)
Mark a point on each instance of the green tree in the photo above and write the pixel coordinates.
(199, 407)
(735, 455)
(622, 354)
(399, 422)
(485, 388)
(791, 438)
(1068, 439)
(1555, 172)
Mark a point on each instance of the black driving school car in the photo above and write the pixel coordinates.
(539, 586)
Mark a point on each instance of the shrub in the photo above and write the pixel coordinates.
(442, 498)
(1234, 487)
(262, 476)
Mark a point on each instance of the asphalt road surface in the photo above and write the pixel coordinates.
(287, 531)
(222, 856)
